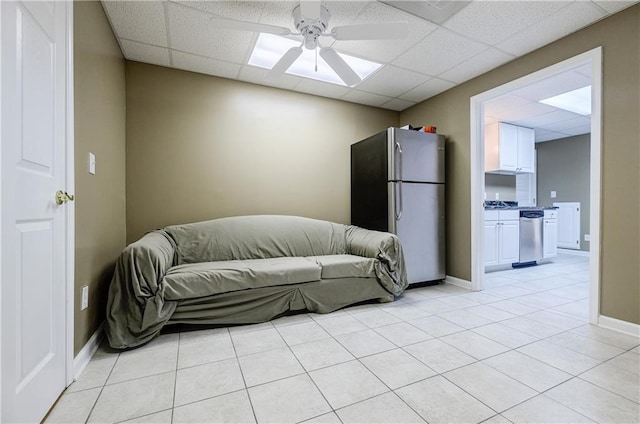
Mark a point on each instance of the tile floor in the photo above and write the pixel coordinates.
(519, 351)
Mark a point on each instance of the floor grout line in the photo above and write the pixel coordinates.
(443, 295)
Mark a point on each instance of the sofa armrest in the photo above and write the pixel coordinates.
(386, 248)
(136, 309)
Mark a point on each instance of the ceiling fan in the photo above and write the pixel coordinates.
(311, 20)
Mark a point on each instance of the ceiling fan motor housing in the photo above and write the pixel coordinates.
(311, 29)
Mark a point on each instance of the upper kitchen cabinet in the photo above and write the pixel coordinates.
(509, 149)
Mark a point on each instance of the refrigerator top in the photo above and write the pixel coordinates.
(415, 156)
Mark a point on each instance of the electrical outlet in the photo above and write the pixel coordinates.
(497, 196)
(587, 237)
(85, 298)
(553, 194)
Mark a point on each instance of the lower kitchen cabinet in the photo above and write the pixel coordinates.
(501, 238)
(550, 234)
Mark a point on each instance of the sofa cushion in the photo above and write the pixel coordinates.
(256, 237)
(207, 278)
(344, 266)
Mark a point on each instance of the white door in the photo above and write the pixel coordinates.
(34, 227)
(568, 225)
(509, 242)
(491, 243)
(526, 149)
(550, 238)
(508, 147)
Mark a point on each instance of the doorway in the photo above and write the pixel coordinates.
(593, 60)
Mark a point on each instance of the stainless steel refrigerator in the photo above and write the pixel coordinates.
(397, 185)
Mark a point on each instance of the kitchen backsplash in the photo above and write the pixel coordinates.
(502, 185)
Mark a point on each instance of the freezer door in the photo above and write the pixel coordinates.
(415, 156)
(416, 215)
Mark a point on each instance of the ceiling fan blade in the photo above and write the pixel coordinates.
(249, 26)
(382, 31)
(310, 9)
(283, 64)
(340, 67)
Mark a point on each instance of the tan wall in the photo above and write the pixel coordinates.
(619, 36)
(201, 147)
(99, 128)
(563, 167)
(503, 185)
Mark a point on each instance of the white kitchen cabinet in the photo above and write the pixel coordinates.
(501, 237)
(509, 149)
(509, 244)
(550, 234)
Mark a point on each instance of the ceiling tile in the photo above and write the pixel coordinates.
(613, 6)
(185, 23)
(145, 53)
(428, 89)
(321, 88)
(389, 81)
(583, 129)
(138, 20)
(249, 11)
(477, 65)
(540, 121)
(279, 13)
(364, 98)
(548, 136)
(385, 50)
(398, 105)
(562, 126)
(510, 108)
(256, 75)
(564, 22)
(552, 86)
(439, 51)
(204, 65)
(495, 21)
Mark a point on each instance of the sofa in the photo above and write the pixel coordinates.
(247, 269)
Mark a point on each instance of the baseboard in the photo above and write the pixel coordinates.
(83, 357)
(574, 252)
(458, 282)
(619, 325)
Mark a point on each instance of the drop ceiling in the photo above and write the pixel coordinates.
(448, 42)
(522, 107)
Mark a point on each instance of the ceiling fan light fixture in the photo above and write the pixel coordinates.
(270, 48)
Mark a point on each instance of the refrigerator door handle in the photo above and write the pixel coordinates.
(399, 213)
(399, 149)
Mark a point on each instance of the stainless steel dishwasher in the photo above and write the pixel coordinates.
(531, 235)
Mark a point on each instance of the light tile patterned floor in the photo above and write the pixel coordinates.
(519, 351)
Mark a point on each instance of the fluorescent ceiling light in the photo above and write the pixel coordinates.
(270, 48)
(577, 101)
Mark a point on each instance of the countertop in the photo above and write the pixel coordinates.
(519, 208)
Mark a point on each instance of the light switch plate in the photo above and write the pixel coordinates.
(92, 163)
(553, 194)
(587, 237)
(85, 298)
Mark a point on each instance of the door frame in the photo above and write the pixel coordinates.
(594, 58)
(69, 209)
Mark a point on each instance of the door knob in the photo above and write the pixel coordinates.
(63, 197)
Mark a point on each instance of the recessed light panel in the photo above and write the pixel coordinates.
(270, 48)
(576, 101)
